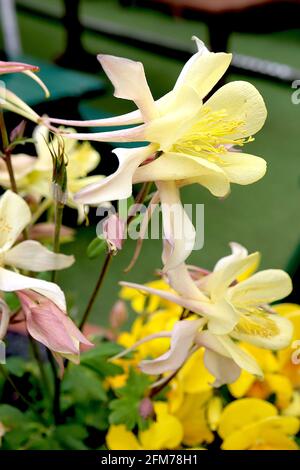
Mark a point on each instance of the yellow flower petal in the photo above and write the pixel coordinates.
(119, 438)
(243, 412)
(242, 102)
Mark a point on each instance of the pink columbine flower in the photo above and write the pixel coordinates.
(51, 326)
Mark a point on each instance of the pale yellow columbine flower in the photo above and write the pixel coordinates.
(229, 311)
(165, 433)
(190, 141)
(28, 255)
(193, 139)
(253, 424)
(34, 175)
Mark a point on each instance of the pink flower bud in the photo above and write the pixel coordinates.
(114, 232)
(146, 408)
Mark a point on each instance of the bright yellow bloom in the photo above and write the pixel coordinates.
(165, 433)
(193, 416)
(253, 424)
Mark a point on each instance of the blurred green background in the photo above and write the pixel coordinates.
(263, 216)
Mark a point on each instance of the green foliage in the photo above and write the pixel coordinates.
(96, 248)
(125, 408)
(88, 405)
(97, 359)
(81, 384)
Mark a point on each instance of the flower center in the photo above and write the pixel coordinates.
(257, 325)
(212, 136)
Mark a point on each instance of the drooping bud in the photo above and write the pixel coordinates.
(118, 315)
(146, 409)
(114, 232)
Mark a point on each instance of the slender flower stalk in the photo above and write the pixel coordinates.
(104, 271)
(59, 210)
(37, 356)
(107, 262)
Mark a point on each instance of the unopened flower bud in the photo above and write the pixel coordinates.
(146, 409)
(118, 315)
(59, 177)
(18, 131)
(114, 232)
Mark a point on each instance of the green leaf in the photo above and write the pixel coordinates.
(96, 248)
(97, 359)
(11, 417)
(125, 409)
(94, 415)
(16, 366)
(71, 436)
(136, 385)
(82, 384)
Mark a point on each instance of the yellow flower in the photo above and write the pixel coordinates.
(254, 424)
(193, 417)
(165, 433)
(274, 381)
(288, 366)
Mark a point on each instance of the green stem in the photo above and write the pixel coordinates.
(104, 270)
(107, 262)
(57, 387)
(5, 141)
(59, 210)
(156, 390)
(44, 376)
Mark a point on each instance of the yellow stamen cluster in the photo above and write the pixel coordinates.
(257, 325)
(212, 136)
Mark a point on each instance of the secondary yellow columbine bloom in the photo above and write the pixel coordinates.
(275, 382)
(228, 311)
(34, 175)
(165, 433)
(253, 424)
